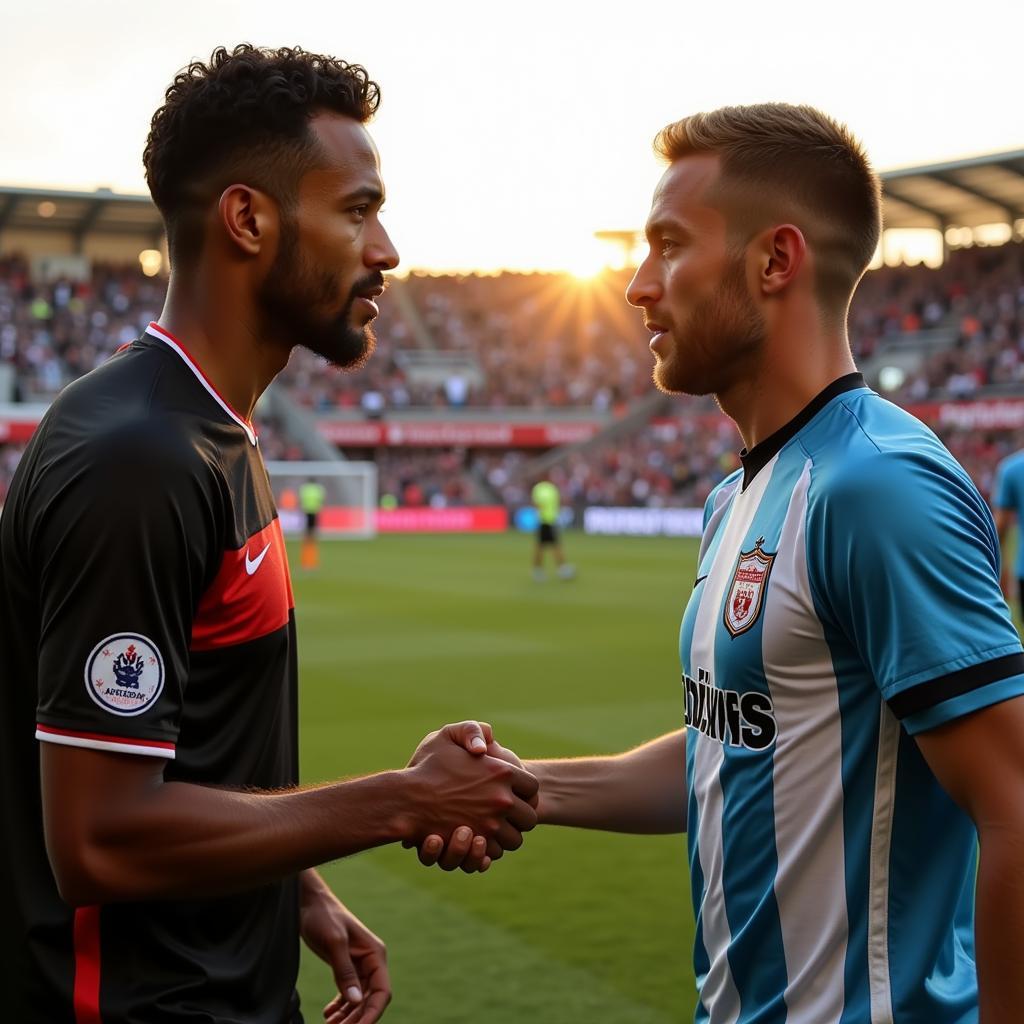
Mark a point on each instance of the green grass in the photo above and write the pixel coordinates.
(402, 634)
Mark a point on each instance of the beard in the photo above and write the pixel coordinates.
(723, 335)
(295, 296)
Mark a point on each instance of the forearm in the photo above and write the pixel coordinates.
(192, 841)
(999, 927)
(641, 791)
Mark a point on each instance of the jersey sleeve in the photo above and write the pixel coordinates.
(1005, 490)
(121, 545)
(904, 559)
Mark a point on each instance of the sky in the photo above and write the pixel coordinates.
(510, 132)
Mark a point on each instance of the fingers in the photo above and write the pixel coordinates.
(430, 850)
(522, 815)
(457, 849)
(377, 996)
(524, 785)
(474, 736)
(346, 977)
(477, 859)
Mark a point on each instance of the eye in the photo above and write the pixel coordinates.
(358, 212)
(666, 245)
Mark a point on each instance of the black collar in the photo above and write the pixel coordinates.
(761, 454)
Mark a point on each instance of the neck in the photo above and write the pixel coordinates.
(223, 338)
(796, 363)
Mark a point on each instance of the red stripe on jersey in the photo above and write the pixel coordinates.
(251, 595)
(87, 965)
(129, 740)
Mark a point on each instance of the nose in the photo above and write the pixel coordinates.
(645, 288)
(380, 252)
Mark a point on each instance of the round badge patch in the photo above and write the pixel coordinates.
(125, 674)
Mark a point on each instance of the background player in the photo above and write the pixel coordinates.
(1008, 503)
(848, 664)
(311, 500)
(548, 503)
(158, 852)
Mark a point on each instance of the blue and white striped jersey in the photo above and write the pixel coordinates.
(1008, 492)
(847, 597)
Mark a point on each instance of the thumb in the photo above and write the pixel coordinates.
(474, 736)
(346, 977)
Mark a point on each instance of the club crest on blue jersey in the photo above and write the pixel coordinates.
(746, 592)
(124, 674)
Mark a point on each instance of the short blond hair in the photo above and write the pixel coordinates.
(794, 158)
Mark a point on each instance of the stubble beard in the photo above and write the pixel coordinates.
(292, 297)
(723, 336)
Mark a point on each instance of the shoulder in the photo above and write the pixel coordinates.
(106, 461)
(870, 451)
(887, 490)
(119, 417)
(1012, 465)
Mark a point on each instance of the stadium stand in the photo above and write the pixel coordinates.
(475, 378)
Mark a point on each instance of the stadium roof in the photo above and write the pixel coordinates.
(79, 213)
(960, 193)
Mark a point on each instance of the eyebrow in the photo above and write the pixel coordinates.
(666, 223)
(369, 193)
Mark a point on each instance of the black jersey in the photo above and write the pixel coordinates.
(146, 608)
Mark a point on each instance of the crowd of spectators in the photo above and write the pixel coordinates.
(542, 341)
(539, 340)
(415, 478)
(977, 296)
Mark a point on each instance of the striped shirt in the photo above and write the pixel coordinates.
(847, 597)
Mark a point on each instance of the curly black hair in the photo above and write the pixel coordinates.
(243, 116)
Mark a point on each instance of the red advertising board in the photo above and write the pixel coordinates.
(481, 519)
(449, 433)
(342, 520)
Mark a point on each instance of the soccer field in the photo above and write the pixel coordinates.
(402, 634)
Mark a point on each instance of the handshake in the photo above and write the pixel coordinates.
(470, 799)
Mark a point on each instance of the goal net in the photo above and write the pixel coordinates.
(350, 496)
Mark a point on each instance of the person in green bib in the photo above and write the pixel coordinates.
(311, 500)
(548, 502)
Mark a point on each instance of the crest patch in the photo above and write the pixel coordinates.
(746, 593)
(124, 674)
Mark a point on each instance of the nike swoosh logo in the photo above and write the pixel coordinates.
(700, 579)
(252, 564)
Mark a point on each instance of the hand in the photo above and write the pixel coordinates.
(464, 850)
(356, 956)
(462, 785)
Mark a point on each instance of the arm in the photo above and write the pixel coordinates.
(979, 759)
(357, 957)
(115, 830)
(641, 791)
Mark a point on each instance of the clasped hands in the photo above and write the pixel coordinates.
(479, 799)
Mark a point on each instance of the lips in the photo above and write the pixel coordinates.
(658, 331)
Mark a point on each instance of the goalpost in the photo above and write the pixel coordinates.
(350, 505)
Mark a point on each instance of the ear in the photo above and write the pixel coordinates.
(248, 217)
(784, 255)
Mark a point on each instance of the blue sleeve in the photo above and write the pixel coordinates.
(1004, 490)
(904, 561)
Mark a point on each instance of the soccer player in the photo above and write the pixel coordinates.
(311, 501)
(1008, 505)
(852, 680)
(158, 856)
(548, 503)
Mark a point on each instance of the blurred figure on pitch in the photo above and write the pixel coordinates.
(1007, 506)
(311, 500)
(548, 503)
